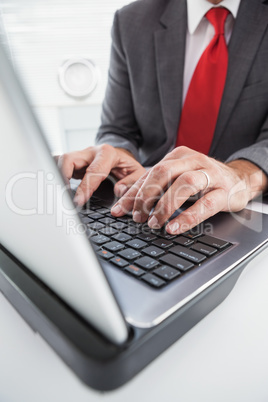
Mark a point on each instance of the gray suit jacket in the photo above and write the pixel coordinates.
(143, 101)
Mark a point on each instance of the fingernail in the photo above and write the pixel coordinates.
(116, 209)
(137, 217)
(153, 223)
(172, 228)
(78, 199)
(120, 190)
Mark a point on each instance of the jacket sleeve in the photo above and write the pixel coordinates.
(118, 124)
(256, 153)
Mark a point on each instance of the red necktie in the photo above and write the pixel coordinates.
(203, 99)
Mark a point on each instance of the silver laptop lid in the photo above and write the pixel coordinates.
(39, 224)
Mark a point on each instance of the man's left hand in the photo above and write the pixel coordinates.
(182, 174)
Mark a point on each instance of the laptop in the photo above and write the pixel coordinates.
(121, 290)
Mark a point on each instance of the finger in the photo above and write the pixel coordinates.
(65, 164)
(181, 152)
(160, 178)
(125, 204)
(69, 163)
(187, 185)
(122, 186)
(96, 172)
(210, 204)
(153, 187)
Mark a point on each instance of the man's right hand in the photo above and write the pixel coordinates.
(92, 165)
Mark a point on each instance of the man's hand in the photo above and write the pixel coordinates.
(92, 165)
(184, 173)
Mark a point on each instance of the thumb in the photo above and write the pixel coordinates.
(122, 186)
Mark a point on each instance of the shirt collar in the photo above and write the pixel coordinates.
(198, 8)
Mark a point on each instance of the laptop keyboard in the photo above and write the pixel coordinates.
(152, 256)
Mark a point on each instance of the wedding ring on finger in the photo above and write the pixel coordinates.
(207, 177)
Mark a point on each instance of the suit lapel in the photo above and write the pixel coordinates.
(170, 51)
(248, 31)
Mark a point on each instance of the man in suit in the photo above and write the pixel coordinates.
(157, 47)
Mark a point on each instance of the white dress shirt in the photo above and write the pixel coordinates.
(200, 32)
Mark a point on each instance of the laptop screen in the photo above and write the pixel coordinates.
(37, 215)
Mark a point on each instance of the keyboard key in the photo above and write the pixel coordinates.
(108, 231)
(103, 211)
(144, 227)
(96, 215)
(105, 254)
(136, 271)
(122, 237)
(100, 239)
(136, 243)
(107, 221)
(86, 212)
(177, 262)
(120, 262)
(113, 246)
(94, 207)
(146, 236)
(96, 225)
(188, 254)
(167, 273)
(136, 224)
(146, 262)
(214, 242)
(158, 231)
(183, 241)
(153, 280)
(129, 254)
(109, 215)
(119, 225)
(90, 232)
(132, 230)
(204, 249)
(163, 243)
(193, 233)
(153, 251)
(164, 234)
(86, 220)
(125, 219)
(96, 248)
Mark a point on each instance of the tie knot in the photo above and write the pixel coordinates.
(217, 16)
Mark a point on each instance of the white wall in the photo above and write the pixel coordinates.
(41, 35)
